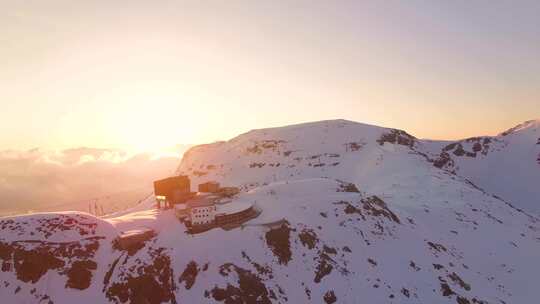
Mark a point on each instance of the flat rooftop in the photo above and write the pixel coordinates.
(203, 200)
(233, 207)
(211, 199)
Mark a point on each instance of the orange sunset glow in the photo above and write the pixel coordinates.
(142, 76)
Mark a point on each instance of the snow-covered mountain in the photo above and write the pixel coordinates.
(350, 213)
(507, 165)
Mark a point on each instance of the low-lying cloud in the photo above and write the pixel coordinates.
(42, 180)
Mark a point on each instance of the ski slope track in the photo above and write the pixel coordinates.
(350, 213)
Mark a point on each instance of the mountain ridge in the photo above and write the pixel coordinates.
(450, 155)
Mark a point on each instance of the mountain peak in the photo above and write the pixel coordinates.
(319, 123)
(317, 129)
(522, 127)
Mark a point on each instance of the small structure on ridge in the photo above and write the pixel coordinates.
(172, 190)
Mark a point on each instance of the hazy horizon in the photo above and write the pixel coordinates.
(172, 151)
(41, 180)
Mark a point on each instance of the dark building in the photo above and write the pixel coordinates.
(173, 190)
(210, 187)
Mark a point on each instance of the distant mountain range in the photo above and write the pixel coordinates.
(350, 213)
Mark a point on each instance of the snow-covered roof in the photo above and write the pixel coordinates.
(180, 206)
(233, 207)
(202, 200)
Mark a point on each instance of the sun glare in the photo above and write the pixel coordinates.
(151, 118)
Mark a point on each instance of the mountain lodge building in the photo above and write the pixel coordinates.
(211, 207)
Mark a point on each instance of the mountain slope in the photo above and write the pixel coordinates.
(507, 165)
(338, 149)
(349, 213)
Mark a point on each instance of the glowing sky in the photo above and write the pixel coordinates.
(140, 74)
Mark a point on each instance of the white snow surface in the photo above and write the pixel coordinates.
(412, 233)
(508, 166)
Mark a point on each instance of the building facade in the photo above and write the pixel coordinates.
(202, 215)
(210, 187)
(172, 190)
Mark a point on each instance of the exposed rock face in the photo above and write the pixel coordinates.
(444, 161)
(397, 137)
(308, 237)
(32, 260)
(525, 125)
(348, 187)
(31, 265)
(250, 289)
(144, 282)
(330, 297)
(377, 207)
(475, 144)
(278, 240)
(189, 275)
(80, 274)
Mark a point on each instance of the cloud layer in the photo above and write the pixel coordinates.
(38, 180)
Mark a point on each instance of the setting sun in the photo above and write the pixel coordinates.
(152, 116)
